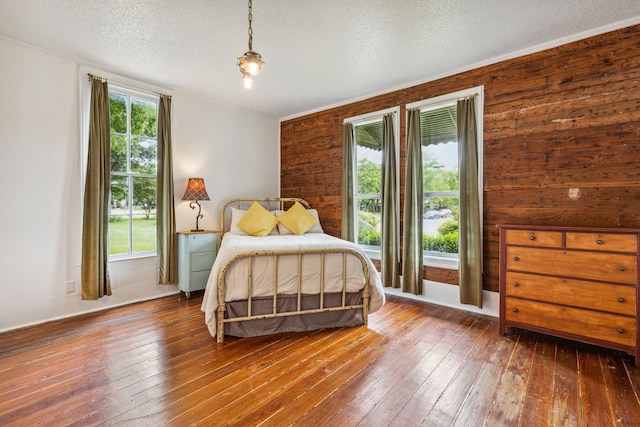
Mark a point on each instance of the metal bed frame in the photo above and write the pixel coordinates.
(280, 203)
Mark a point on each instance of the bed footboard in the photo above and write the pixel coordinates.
(299, 310)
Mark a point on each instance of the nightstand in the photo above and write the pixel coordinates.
(196, 253)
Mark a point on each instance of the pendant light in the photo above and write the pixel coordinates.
(251, 62)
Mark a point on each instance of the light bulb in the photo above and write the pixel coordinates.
(248, 81)
(253, 68)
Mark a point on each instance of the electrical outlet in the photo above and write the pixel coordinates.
(71, 286)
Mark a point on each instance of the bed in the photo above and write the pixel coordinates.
(288, 276)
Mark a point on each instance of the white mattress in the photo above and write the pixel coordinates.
(263, 270)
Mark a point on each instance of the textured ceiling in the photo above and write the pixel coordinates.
(317, 52)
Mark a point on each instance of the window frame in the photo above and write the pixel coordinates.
(375, 252)
(137, 87)
(129, 174)
(436, 259)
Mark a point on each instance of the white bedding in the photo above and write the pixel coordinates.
(287, 270)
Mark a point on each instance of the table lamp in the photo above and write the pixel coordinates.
(196, 191)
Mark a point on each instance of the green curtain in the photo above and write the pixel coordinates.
(95, 217)
(167, 243)
(412, 265)
(470, 250)
(390, 272)
(348, 166)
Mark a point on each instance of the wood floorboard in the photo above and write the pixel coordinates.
(125, 381)
(537, 410)
(154, 363)
(310, 410)
(622, 398)
(362, 393)
(356, 396)
(267, 385)
(432, 354)
(479, 400)
(596, 405)
(507, 402)
(317, 382)
(444, 411)
(566, 404)
(422, 402)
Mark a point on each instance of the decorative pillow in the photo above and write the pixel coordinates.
(236, 216)
(257, 221)
(297, 220)
(316, 228)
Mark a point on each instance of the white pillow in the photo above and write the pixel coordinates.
(316, 228)
(237, 214)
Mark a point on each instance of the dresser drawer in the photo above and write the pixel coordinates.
(603, 242)
(580, 264)
(198, 280)
(202, 260)
(201, 242)
(534, 238)
(617, 299)
(590, 324)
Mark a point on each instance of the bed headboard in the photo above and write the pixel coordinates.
(270, 203)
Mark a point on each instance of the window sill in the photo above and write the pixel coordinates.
(449, 263)
(129, 257)
(440, 262)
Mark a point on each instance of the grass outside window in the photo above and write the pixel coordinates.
(143, 235)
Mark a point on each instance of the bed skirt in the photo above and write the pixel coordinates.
(294, 323)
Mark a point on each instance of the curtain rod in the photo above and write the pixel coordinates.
(127, 85)
(102, 79)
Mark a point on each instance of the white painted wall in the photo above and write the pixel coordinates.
(235, 151)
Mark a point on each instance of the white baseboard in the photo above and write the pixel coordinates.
(20, 317)
(449, 296)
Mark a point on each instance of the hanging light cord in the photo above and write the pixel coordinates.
(250, 26)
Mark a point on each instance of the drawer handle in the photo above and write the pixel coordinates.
(515, 310)
(532, 237)
(515, 258)
(599, 242)
(516, 284)
(620, 299)
(202, 254)
(620, 331)
(621, 268)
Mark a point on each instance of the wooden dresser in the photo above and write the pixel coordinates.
(571, 282)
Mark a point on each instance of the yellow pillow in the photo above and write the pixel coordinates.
(257, 221)
(298, 219)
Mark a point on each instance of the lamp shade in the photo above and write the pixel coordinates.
(196, 190)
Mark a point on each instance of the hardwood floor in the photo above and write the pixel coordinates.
(154, 363)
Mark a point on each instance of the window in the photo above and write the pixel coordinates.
(132, 216)
(441, 199)
(368, 195)
(368, 186)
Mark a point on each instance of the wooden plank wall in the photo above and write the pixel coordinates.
(561, 141)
